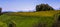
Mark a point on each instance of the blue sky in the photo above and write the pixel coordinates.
(26, 5)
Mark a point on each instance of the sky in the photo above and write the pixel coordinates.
(26, 5)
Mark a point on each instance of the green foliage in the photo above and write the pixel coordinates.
(43, 7)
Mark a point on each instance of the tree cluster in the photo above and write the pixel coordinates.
(43, 7)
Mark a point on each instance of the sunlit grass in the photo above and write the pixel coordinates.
(41, 13)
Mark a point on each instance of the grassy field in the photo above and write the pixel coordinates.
(28, 19)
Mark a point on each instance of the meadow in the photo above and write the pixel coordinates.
(29, 19)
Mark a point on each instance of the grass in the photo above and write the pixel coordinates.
(41, 13)
(28, 19)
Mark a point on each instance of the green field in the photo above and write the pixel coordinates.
(28, 19)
